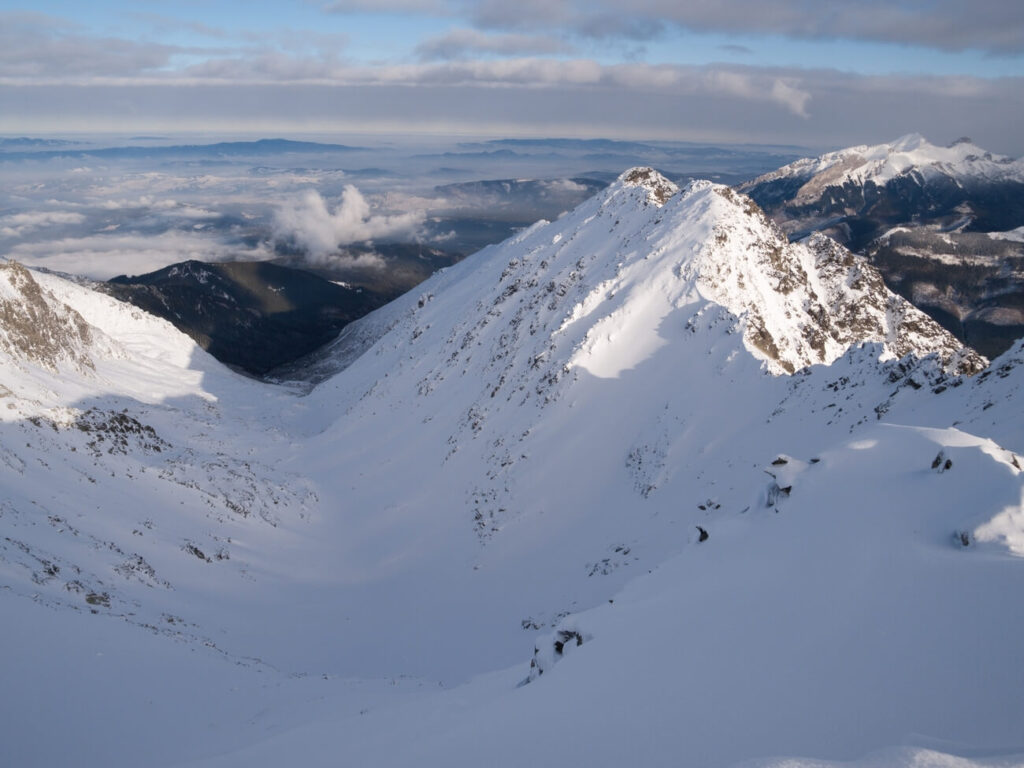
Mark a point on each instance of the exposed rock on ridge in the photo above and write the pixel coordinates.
(37, 328)
(937, 222)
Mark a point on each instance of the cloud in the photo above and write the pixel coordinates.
(789, 93)
(20, 224)
(104, 256)
(989, 25)
(263, 67)
(996, 26)
(35, 45)
(163, 24)
(525, 72)
(310, 223)
(463, 43)
(37, 48)
(736, 48)
(368, 260)
(820, 108)
(563, 186)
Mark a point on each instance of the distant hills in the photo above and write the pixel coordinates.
(221, 149)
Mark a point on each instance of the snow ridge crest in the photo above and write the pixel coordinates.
(806, 303)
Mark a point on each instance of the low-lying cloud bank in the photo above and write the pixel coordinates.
(103, 256)
(20, 224)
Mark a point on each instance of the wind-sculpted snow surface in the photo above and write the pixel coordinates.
(705, 480)
(845, 618)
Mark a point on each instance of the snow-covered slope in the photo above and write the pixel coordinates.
(119, 467)
(848, 616)
(715, 469)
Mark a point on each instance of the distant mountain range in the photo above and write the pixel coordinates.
(226, 149)
(25, 142)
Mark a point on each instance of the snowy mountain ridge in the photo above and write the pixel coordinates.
(699, 475)
(591, 290)
(962, 162)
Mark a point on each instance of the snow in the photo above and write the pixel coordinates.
(883, 646)
(1014, 235)
(880, 163)
(520, 454)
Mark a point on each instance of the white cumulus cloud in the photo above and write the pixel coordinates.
(321, 229)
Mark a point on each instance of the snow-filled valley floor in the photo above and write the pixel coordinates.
(646, 485)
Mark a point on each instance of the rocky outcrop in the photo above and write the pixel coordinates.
(37, 328)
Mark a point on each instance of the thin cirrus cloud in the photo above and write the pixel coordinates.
(465, 43)
(736, 48)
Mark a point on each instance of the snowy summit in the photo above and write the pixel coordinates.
(961, 162)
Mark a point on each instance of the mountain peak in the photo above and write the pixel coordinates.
(549, 431)
(659, 189)
(621, 277)
(910, 142)
(909, 155)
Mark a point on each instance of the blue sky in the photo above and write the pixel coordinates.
(820, 73)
